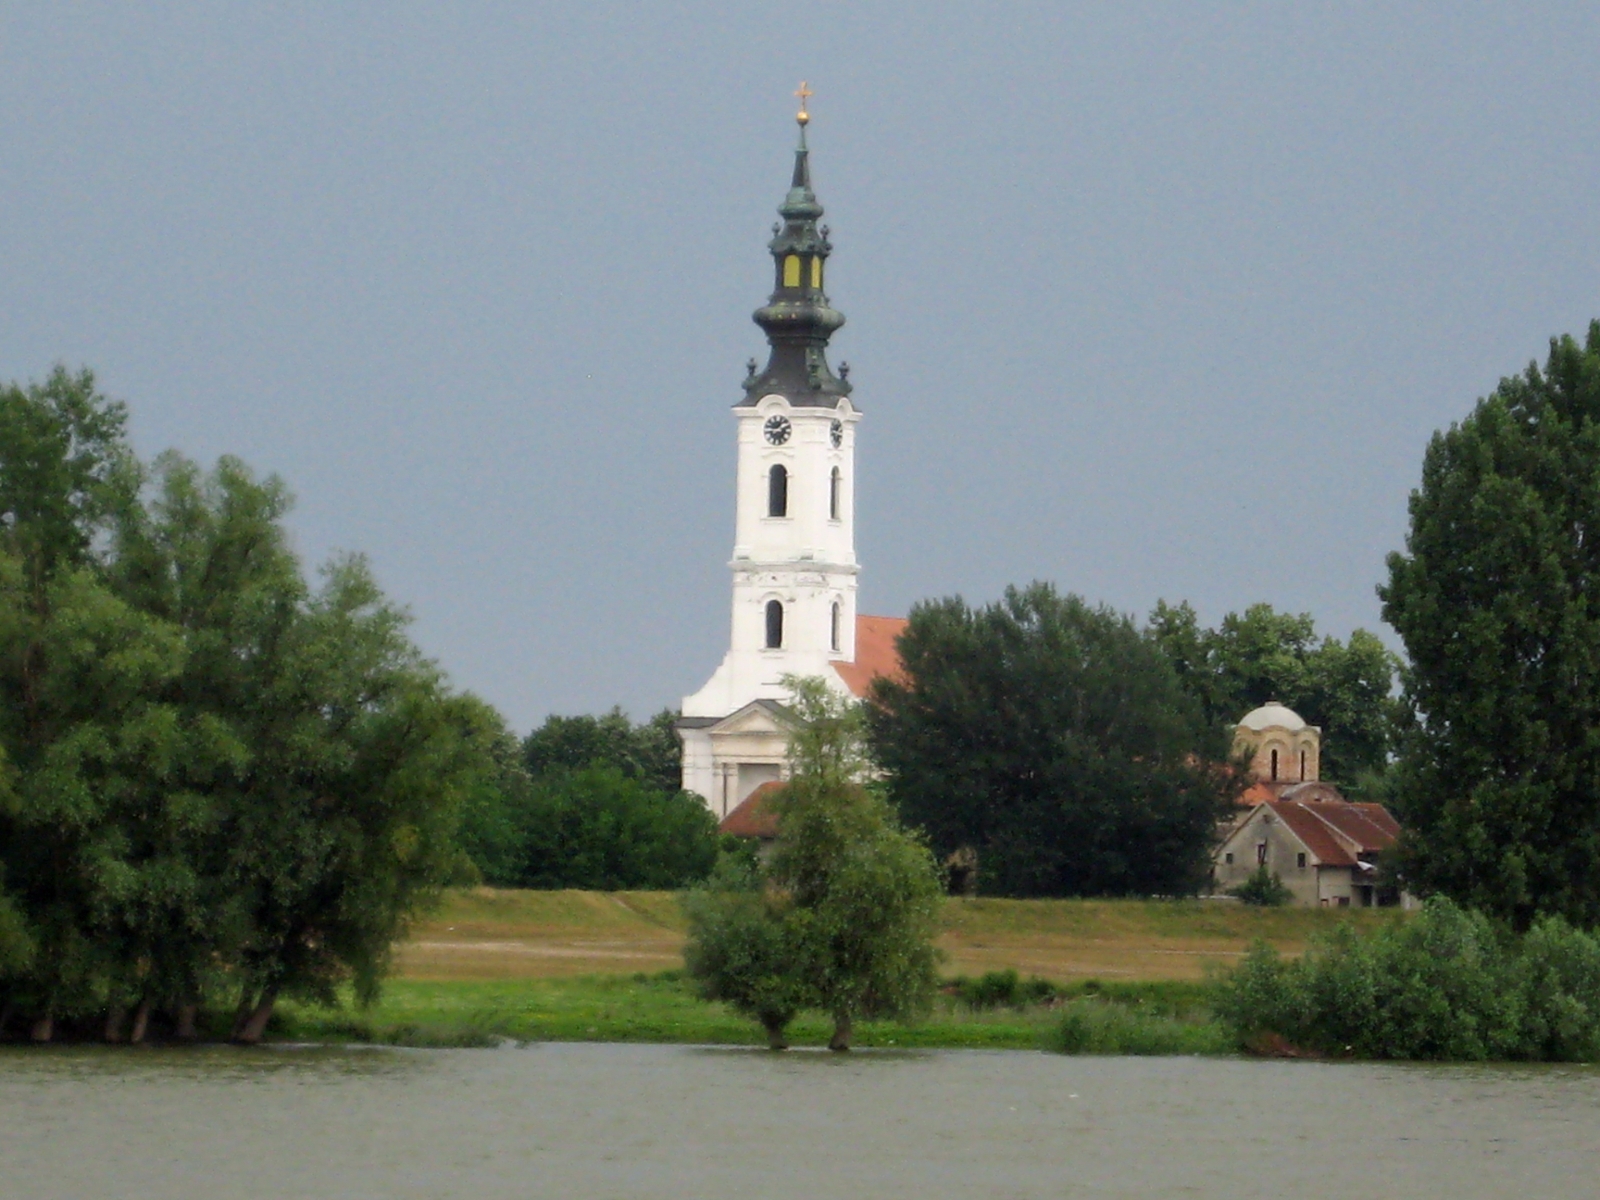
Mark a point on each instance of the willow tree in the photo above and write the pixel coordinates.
(1497, 598)
(218, 784)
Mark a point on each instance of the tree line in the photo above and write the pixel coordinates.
(1077, 752)
(222, 782)
(1069, 745)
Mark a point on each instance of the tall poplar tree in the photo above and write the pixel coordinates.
(1497, 597)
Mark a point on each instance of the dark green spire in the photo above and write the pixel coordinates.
(798, 319)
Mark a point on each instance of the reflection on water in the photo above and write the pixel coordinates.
(659, 1121)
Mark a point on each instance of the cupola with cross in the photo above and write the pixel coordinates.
(798, 319)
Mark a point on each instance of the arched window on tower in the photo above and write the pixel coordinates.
(833, 494)
(834, 637)
(778, 491)
(1274, 766)
(1302, 766)
(774, 625)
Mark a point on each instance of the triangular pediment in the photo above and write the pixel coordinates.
(759, 716)
(1260, 816)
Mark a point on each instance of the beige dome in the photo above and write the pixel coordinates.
(1272, 715)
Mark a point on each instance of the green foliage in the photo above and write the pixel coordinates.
(866, 892)
(842, 916)
(745, 949)
(1497, 598)
(1003, 989)
(589, 802)
(221, 783)
(1262, 654)
(1263, 889)
(1055, 739)
(649, 752)
(1095, 1026)
(1448, 984)
(599, 829)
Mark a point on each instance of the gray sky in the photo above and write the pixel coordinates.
(1151, 300)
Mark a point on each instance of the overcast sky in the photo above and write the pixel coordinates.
(1151, 300)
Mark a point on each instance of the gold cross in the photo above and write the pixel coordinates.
(805, 94)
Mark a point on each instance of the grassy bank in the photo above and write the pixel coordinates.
(1122, 976)
(1161, 1018)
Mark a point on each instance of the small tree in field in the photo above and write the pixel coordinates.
(1264, 889)
(842, 917)
(743, 949)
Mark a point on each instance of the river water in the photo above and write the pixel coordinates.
(685, 1123)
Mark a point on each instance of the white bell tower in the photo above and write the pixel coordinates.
(794, 559)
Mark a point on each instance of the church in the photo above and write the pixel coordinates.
(794, 556)
(1326, 850)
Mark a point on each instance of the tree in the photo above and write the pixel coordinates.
(83, 726)
(843, 915)
(649, 752)
(1264, 889)
(1261, 655)
(745, 950)
(1497, 599)
(599, 829)
(360, 759)
(1055, 740)
(591, 802)
(216, 780)
(865, 892)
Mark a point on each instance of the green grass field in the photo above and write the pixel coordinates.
(485, 934)
(599, 966)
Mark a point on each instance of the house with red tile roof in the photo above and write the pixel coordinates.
(1326, 852)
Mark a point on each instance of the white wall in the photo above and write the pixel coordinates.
(806, 560)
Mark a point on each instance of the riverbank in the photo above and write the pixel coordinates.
(1152, 1018)
(1122, 976)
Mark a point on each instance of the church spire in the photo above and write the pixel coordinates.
(798, 319)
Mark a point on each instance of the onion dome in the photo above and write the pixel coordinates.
(797, 318)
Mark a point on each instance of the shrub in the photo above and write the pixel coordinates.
(1263, 890)
(1094, 1026)
(744, 949)
(1449, 984)
(996, 989)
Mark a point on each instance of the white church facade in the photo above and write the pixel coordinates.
(794, 558)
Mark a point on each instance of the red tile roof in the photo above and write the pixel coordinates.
(1257, 793)
(1337, 831)
(875, 654)
(1316, 836)
(1368, 825)
(754, 817)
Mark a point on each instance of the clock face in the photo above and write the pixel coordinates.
(836, 434)
(777, 430)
